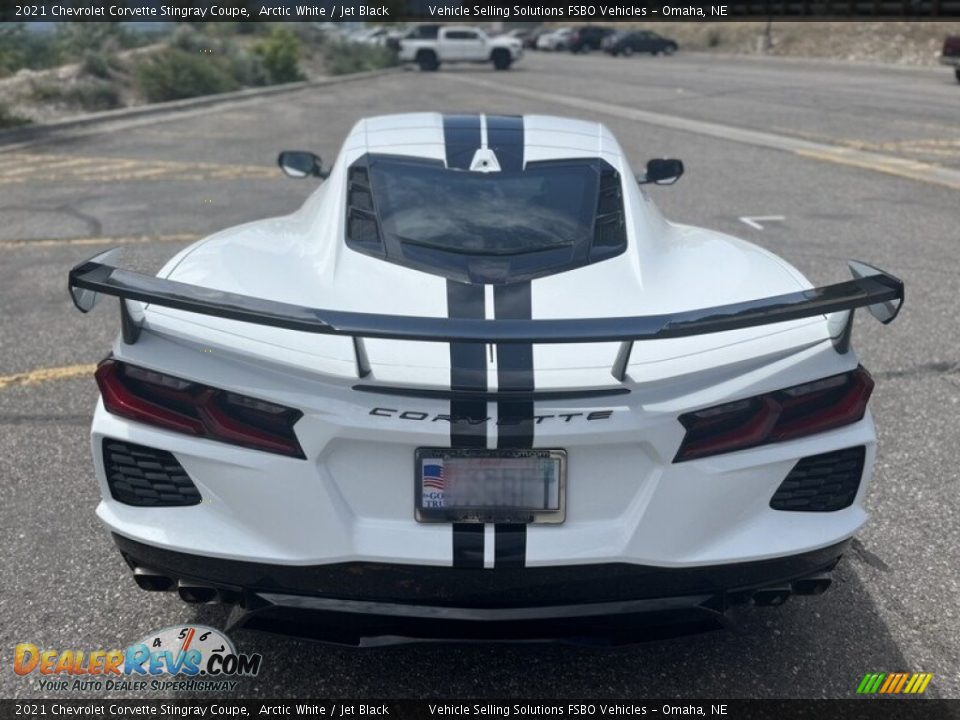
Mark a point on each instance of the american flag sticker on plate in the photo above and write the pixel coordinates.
(433, 483)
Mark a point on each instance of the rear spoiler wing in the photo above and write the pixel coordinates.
(878, 291)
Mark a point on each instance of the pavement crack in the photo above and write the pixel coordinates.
(925, 369)
(861, 553)
(8, 419)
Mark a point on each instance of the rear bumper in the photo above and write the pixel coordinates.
(953, 60)
(363, 603)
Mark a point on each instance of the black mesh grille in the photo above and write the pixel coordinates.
(821, 483)
(139, 475)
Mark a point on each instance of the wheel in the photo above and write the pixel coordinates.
(956, 71)
(427, 60)
(501, 59)
(669, 50)
(627, 50)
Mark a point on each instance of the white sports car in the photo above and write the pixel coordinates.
(410, 409)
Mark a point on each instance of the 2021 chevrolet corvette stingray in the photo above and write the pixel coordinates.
(475, 387)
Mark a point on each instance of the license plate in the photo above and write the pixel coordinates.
(467, 485)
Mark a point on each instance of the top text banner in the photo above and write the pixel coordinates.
(467, 11)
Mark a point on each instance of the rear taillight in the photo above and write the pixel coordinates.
(188, 407)
(786, 414)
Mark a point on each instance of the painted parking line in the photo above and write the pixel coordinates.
(43, 375)
(128, 240)
(878, 162)
(21, 168)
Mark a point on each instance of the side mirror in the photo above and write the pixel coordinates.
(300, 164)
(662, 172)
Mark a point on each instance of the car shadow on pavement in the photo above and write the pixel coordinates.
(810, 647)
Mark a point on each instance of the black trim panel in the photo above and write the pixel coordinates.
(507, 587)
(373, 603)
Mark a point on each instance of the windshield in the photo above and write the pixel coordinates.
(544, 207)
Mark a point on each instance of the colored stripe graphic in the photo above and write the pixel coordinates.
(894, 683)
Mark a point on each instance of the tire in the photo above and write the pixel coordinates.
(669, 50)
(501, 59)
(427, 60)
(956, 71)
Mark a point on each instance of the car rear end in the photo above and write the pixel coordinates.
(240, 481)
(383, 483)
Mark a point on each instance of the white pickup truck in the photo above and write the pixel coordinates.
(456, 44)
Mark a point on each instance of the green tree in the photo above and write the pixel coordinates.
(280, 52)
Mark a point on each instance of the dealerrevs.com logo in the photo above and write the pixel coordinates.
(191, 657)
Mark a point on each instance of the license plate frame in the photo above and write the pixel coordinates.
(499, 513)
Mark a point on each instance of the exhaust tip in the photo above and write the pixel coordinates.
(151, 580)
(772, 596)
(813, 585)
(196, 594)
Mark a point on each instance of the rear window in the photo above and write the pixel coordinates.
(486, 213)
(548, 217)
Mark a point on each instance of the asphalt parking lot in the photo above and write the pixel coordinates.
(874, 191)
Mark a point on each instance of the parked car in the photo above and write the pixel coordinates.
(425, 31)
(460, 44)
(588, 37)
(530, 41)
(556, 40)
(382, 36)
(521, 34)
(641, 41)
(951, 53)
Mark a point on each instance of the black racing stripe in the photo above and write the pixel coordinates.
(515, 417)
(510, 545)
(468, 418)
(505, 138)
(514, 369)
(461, 136)
(468, 370)
(468, 545)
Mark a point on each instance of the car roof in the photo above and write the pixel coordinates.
(421, 134)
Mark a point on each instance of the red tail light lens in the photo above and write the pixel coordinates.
(786, 414)
(187, 407)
